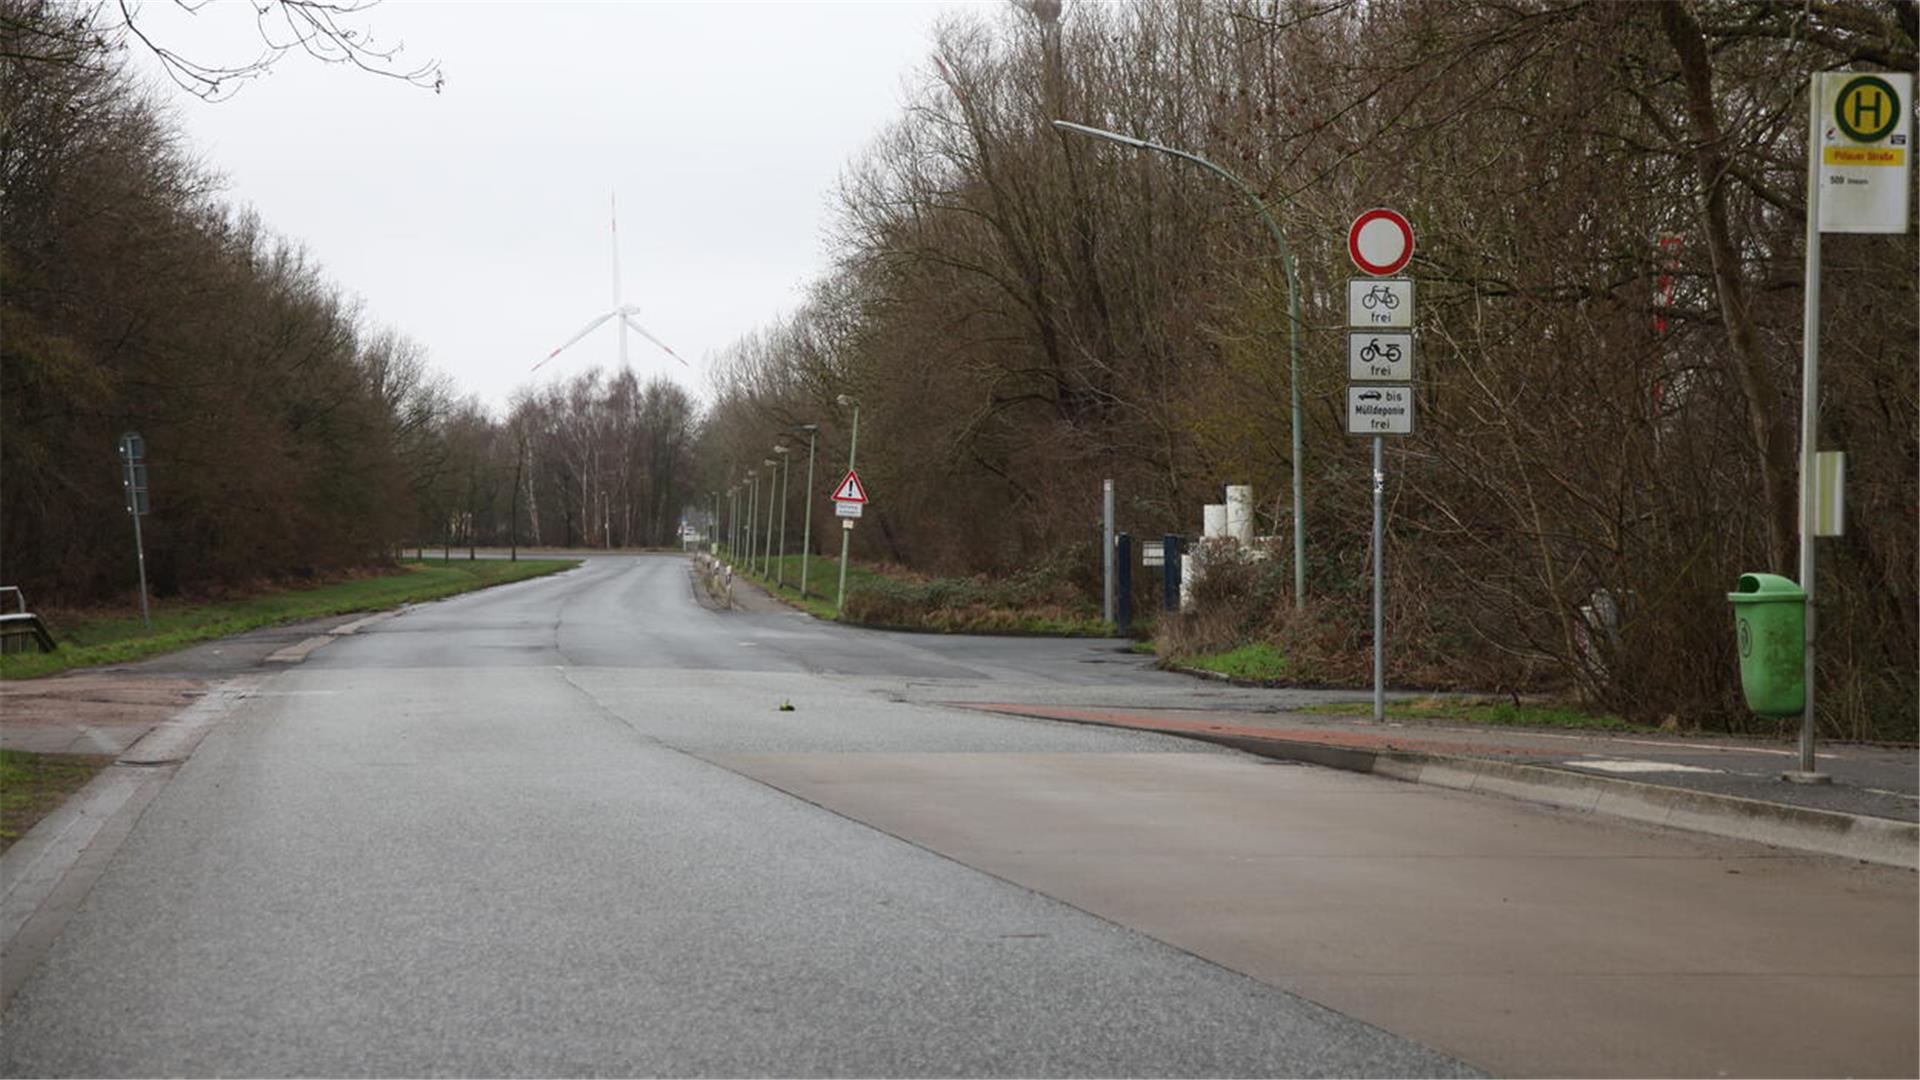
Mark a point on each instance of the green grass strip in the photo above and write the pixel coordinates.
(1488, 711)
(32, 785)
(120, 638)
(823, 585)
(1256, 661)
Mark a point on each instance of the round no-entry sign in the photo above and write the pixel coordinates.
(1381, 242)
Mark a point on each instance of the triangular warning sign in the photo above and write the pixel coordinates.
(850, 489)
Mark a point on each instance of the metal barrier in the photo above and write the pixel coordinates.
(23, 623)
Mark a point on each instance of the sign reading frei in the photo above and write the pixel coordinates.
(1379, 356)
(1386, 303)
(1380, 410)
(1380, 242)
(1864, 150)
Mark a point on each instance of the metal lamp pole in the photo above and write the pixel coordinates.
(846, 531)
(806, 537)
(766, 546)
(753, 509)
(780, 568)
(1293, 318)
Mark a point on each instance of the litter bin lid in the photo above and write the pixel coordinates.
(1760, 588)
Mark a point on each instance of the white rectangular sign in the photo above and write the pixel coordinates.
(1865, 148)
(1381, 303)
(1379, 410)
(848, 509)
(1381, 357)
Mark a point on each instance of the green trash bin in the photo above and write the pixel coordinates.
(1770, 625)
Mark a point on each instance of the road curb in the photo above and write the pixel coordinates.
(46, 873)
(1883, 841)
(358, 625)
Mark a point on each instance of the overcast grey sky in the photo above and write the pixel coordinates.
(475, 221)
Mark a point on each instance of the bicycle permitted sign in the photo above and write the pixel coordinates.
(1386, 303)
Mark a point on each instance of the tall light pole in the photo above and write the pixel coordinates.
(766, 546)
(846, 529)
(780, 568)
(733, 520)
(753, 508)
(806, 537)
(1293, 320)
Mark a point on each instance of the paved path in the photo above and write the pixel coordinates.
(1872, 780)
(566, 826)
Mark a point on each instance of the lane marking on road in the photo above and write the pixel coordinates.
(1896, 794)
(1630, 765)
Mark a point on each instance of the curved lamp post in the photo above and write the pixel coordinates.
(1293, 317)
(806, 538)
(780, 573)
(766, 546)
(753, 514)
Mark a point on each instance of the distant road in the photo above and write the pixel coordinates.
(569, 827)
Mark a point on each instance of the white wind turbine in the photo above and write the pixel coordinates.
(622, 312)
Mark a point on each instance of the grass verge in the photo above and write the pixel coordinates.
(1489, 711)
(119, 637)
(942, 605)
(1258, 661)
(33, 785)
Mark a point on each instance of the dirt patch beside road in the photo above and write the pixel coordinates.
(89, 713)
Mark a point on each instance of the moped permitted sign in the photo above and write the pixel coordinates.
(1379, 357)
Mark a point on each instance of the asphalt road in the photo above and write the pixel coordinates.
(567, 827)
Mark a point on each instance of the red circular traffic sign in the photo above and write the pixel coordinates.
(1380, 242)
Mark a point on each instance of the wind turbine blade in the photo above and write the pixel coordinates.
(642, 331)
(584, 331)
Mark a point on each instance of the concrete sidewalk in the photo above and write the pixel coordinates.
(1720, 785)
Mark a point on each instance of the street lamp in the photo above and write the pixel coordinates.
(753, 507)
(780, 573)
(846, 530)
(806, 538)
(766, 547)
(1293, 317)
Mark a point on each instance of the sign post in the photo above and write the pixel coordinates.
(1859, 167)
(132, 450)
(849, 502)
(1380, 353)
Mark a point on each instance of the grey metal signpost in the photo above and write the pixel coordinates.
(1379, 354)
(846, 523)
(132, 450)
